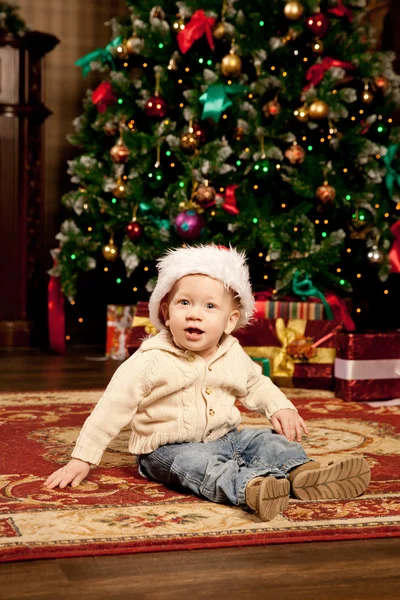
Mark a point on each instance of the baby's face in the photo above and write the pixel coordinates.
(198, 311)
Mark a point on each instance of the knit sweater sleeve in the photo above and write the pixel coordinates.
(115, 409)
(262, 395)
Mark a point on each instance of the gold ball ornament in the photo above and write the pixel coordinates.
(326, 193)
(317, 46)
(318, 110)
(205, 194)
(119, 190)
(131, 45)
(219, 30)
(189, 141)
(295, 154)
(367, 96)
(178, 25)
(231, 65)
(110, 251)
(301, 113)
(120, 152)
(271, 108)
(375, 255)
(293, 10)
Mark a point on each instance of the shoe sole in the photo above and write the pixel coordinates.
(273, 498)
(346, 478)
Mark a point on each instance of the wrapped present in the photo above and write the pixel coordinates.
(265, 364)
(141, 327)
(367, 366)
(119, 321)
(302, 353)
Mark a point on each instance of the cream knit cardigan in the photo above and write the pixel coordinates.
(168, 396)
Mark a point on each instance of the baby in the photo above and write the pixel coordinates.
(178, 394)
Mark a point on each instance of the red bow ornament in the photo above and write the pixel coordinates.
(316, 73)
(230, 203)
(198, 25)
(394, 254)
(103, 96)
(341, 11)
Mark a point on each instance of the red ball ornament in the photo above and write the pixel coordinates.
(134, 231)
(120, 152)
(326, 193)
(156, 107)
(295, 154)
(189, 225)
(318, 24)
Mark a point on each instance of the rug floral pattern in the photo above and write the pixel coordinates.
(116, 510)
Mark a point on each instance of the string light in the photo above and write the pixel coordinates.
(322, 140)
(273, 68)
(90, 229)
(145, 64)
(209, 62)
(181, 184)
(295, 229)
(317, 221)
(250, 96)
(105, 269)
(361, 112)
(326, 222)
(125, 64)
(342, 282)
(187, 69)
(67, 337)
(73, 256)
(172, 165)
(161, 45)
(261, 23)
(358, 275)
(134, 289)
(181, 105)
(377, 205)
(213, 213)
(255, 220)
(260, 254)
(338, 270)
(255, 187)
(72, 302)
(284, 74)
(265, 276)
(305, 59)
(120, 101)
(224, 116)
(221, 189)
(179, 80)
(118, 280)
(345, 170)
(348, 250)
(283, 205)
(324, 234)
(80, 320)
(145, 268)
(348, 197)
(229, 82)
(353, 118)
(385, 291)
(386, 215)
(390, 120)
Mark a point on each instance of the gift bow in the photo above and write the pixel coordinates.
(392, 176)
(316, 73)
(283, 365)
(216, 99)
(103, 96)
(341, 11)
(304, 287)
(145, 322)
(102, 54)
(394, 254)
(198, 25)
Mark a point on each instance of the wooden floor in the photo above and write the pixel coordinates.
(359, 570)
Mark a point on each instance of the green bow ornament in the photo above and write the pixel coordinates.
(216, 99)
(103, 55)
(392, 176)
(304, 287)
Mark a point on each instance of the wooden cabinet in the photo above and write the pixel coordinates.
(22, 114)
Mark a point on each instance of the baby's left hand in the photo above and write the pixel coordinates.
(289, 423)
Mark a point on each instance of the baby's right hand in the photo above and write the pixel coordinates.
(72, 473)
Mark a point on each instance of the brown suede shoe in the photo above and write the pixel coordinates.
(345, 478)
(267, 496)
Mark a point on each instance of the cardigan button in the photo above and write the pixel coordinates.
(210, 368)
(211, 412)
(208, 391)
(191, 358)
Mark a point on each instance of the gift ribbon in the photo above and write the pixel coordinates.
(392, 176)
(103, 96)
(316, 73)
(341, 11)
(102, 54)
(367, 369)
(216, 99)
(394, 254)
(145, 322)
(55, 314)
(283, 365)
(198, 25)
(265, 364)
(305, 288)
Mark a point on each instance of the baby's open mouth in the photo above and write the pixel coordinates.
(194, 331)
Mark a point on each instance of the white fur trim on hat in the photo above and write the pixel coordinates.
(226, 265)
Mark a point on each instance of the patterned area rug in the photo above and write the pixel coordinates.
(117, 511)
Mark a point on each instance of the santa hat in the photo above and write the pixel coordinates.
(226, 265)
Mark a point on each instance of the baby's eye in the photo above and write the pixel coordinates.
(210, 305)
(184, 302)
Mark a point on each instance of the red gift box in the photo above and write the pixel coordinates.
(367, 366)
(302, 353)
(119, 321)
(141, 328)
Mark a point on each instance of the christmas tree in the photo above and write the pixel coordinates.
(265, 125)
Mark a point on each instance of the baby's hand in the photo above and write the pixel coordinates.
(74, 473)
(289, 423)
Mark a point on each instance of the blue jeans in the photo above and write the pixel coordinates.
(219, 471)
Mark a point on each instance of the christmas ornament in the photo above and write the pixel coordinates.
(360, 228)
(103, 55)
(271, 108)
(216, 99)
(341, 11)
(119, 190)
(103, 96)
(157, 13)
(293, 10)
(131, 45)
(134, 230)
(156, 107)
(155, 177)
(317, 46)
(301, 113)
(200, 133)
(326, 193)
(316, 73)
(189, 141)
(318, 24)
(110, 250)
(318, 110)
(179, 24)
(262, 168)
(173, 64)
(230, 203)
(295, 154)
(239, 133)
(120, 152)
(381, 82)
(367, 96)
(375, 255)
(198, 26)
(189, 225)
(110, 128)
(219, 30)
(231, 64)
(205, 194)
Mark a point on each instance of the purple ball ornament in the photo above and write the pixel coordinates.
(189, 225)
